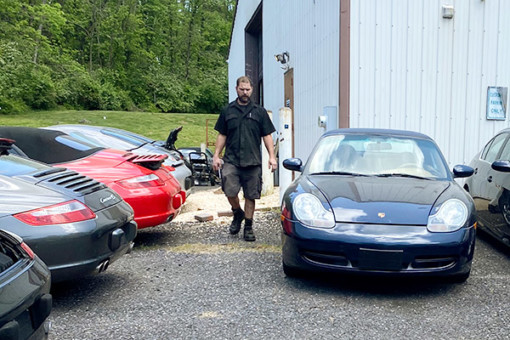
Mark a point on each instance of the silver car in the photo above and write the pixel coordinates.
(124, 140)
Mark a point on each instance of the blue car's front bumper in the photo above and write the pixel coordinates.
(378, 249)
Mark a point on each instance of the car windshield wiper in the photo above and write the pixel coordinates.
(345, 173)
(402, 175)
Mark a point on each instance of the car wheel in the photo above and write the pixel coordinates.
(459, 278)
(291, 271)
(504, 205)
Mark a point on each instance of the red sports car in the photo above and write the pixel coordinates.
(142, 181)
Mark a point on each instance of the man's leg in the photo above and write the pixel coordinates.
(234, 203)
(239, 214)
(249, 208)
(231, 186)
(252, 185)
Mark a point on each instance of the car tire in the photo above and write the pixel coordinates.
(291, 271)
(504, 206)
(459, 278)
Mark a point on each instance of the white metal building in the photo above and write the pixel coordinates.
(422, 65)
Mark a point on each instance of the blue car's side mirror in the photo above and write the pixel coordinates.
(461, 171)
(293, 164)
(503, 166)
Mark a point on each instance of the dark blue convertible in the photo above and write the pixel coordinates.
(379, 202)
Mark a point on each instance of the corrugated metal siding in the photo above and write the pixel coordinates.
(236, 67)
(412, 69)
(309, 31)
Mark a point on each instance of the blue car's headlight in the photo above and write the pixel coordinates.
(451, 216)
(310, 211)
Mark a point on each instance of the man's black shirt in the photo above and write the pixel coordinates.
(244, 126)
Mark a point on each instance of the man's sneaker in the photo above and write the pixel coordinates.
(236, 222)
(249, 236)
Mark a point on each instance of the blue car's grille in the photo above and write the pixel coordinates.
(329, 259)
(70, 180)
(434, 262)
(384, 261)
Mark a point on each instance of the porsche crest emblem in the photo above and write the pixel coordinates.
(381, 214)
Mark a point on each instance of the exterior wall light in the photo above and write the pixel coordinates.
(283, 58)
(448, 11)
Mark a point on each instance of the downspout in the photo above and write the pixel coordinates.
(344, 68)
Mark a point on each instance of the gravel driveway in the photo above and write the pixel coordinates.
(191, 280)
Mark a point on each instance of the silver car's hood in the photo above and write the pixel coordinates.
(17, 196)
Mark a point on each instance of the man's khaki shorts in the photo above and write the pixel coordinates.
(249, 178)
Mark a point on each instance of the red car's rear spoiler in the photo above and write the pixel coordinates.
(152, 162)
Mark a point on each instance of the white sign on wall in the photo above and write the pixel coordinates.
(496, 102)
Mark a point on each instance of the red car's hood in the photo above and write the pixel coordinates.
(107, 166)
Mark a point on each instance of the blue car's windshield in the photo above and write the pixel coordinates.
(377, 155)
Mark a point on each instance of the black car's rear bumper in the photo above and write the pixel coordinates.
(114, 244)
(79, 248)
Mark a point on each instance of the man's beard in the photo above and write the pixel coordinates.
(244, 99)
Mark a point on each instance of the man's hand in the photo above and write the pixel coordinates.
(272, 164)
(268, 142)
(217, 163)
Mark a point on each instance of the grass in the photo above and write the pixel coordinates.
(150, 124)
(199, 248)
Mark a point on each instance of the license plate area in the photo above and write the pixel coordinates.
(378, 259)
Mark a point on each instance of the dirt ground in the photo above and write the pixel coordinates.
(211, 200)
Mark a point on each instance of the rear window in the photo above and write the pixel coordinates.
(126, 138)
(11, 165)
(73, 143)
(101, 140)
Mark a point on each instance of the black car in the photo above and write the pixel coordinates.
(25, 301)
(75, 224)
(201, 164)
(196, 152)
(377, 202)
(490, 186)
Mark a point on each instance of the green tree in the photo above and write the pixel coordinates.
(165, 55)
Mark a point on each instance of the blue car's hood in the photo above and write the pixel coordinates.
(395, 200)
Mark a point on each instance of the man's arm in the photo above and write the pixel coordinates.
(220, 144)
(268, 142)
